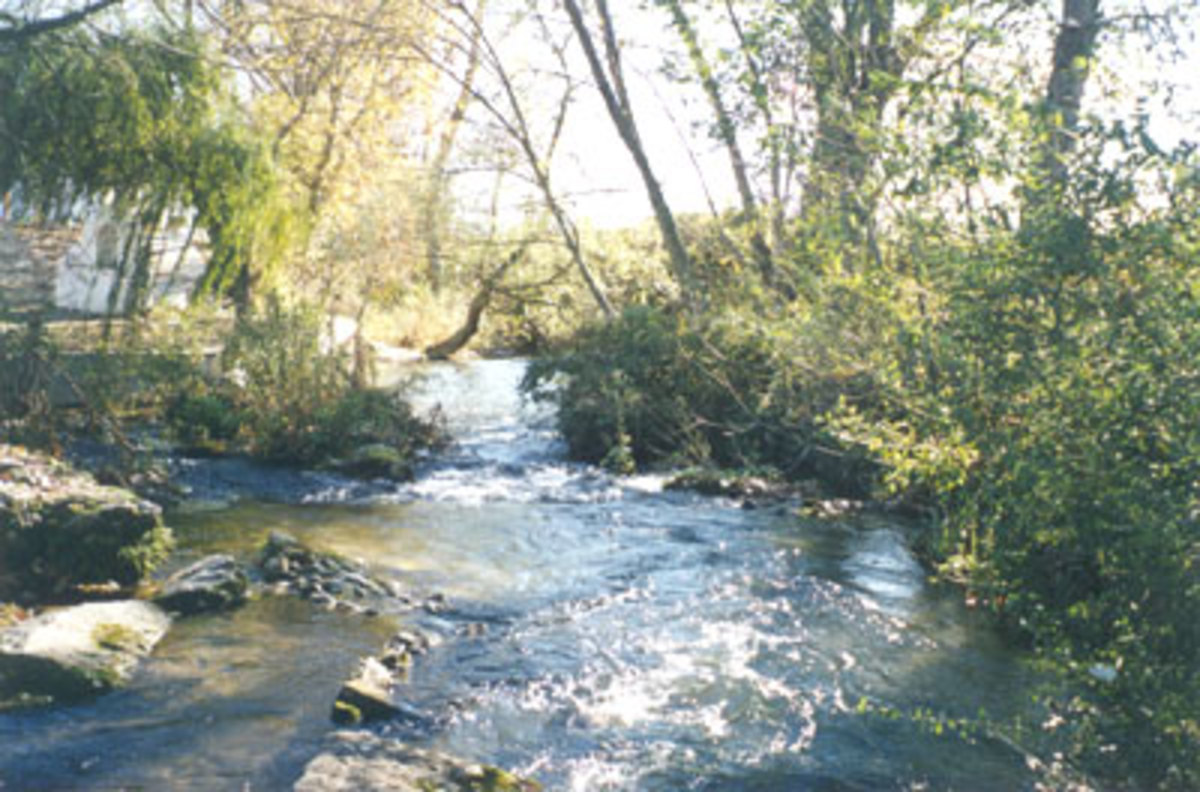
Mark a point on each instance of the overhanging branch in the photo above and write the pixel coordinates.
(22, 31)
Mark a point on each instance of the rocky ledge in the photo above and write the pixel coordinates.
(68, 654)
(60, 530)
(364, 762)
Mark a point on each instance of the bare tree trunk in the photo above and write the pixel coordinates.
(479, 303)
(763, 104)
(727, 132)
(611, 84)
(1074, 47)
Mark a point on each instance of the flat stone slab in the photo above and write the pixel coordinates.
(72, 653)
(366, 697)
(364, 762)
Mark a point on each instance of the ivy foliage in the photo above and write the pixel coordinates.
(1068, 364)
(139, 121)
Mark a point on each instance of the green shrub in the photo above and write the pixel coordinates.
(27, 357)
(204, 420)
(1055, 415)
(650, 388)
(286, 398)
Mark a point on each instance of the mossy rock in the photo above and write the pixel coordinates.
(214, 583)
(69, 654)
(346, 714)
(59, 529)
(116, 637)
(485, 778)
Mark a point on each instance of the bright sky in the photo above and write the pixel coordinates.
(605, 187)
(610, 190)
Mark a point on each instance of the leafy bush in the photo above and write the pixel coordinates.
(287, 398)
(651, 388)
(1057, 419)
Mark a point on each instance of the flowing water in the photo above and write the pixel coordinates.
(601, 634)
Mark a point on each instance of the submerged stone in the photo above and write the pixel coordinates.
(364, 762)
(72, 653)
(215, 583)
(60, 529)
(324, 578)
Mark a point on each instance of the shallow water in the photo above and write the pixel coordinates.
(602, 635)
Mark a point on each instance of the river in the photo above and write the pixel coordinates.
(601, 634)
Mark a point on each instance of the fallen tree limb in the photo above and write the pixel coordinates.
(479, 303)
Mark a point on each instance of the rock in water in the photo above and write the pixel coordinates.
(367, 697)
(324, 578)
(71, 653)
(214, 583)
(364, 762)
(59, 529)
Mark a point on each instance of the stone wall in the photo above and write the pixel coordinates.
(75, 270)
(28, 266)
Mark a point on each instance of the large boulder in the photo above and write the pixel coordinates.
(60, 529)
(364, 762)
(72, 653)
(214, 583)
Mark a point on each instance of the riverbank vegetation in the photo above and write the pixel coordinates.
(959, 271)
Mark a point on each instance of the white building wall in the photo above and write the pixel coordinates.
(89, 272)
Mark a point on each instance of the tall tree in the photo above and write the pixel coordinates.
(609, 76)
(134, 120)
(814, 79)
(726, 131)
(437, 176)
(1074, 50)
(507, 108)
(330, 86)
(854, 68)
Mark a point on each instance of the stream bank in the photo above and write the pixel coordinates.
(596, 632)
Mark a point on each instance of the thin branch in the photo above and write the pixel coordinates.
(27, 30)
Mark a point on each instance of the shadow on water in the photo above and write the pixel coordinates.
(225, 699)
(603, 634)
